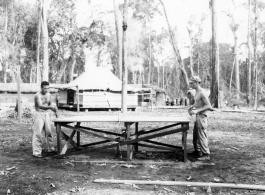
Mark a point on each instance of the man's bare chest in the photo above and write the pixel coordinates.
(198, 99)
(44, 99)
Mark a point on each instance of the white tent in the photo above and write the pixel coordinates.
(98, 88)
(97, 78)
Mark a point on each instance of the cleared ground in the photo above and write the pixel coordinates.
(237, 156)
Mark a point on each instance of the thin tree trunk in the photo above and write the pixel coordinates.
(38, 74)
(191, 52)
(176, 49)
(169, 76)
(61, 72)
(249, 54)
(158, 75)
(134, 77)
(150, 58)
(163, 68)
(215, 99)
(5, 73)
(119, 37)
(237, 81)
(72, 68)
(198, 64)
(124, 58)
(6, 20)
(255, 59)
(231, 77)
(143, 80)
(45, 39)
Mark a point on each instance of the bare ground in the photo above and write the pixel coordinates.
(237, 156)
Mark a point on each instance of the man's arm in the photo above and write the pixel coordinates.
(39, 104)
(55, 109)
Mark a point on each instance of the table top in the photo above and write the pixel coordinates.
(117, 118)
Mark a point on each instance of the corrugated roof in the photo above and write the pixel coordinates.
(24, 87)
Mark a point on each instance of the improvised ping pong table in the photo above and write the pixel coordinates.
(139, 138)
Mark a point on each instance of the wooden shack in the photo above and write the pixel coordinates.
(149, 95)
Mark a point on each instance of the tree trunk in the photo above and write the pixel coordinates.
(124, 59)
(231, 78)
(255, 59)
(61, 71)
(236, 67)
(6, 20)
(176, 49)
(198, 64)
(191, 52)
(38, 74)
(119, 37)
(45, 39)
(163, 68)
(4, 73)
(249, 54)
(134, 77)
(215, 99)
(150, 58)
(143, 80)
(158, 75)
(72, 68)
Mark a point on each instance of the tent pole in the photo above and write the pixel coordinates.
(77, 95)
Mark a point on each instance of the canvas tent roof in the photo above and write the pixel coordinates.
(97, 78)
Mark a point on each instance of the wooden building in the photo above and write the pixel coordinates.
(149, 95)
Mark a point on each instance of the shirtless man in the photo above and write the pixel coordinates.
(41, 123)
(200, 108)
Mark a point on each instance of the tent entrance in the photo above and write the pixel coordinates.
(70, 97)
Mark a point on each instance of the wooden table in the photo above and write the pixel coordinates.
(139, 138)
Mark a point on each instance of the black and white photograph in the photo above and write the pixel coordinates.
(132, 97)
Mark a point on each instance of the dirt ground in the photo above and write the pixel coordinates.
(237, 156)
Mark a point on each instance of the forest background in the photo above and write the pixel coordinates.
(77, 34)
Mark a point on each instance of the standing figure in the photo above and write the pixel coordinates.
(200, 109)
(42, 121)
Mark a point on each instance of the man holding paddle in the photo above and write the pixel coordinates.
(200, 108)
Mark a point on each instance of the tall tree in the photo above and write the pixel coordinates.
(38, 73)
(173, 39)
(191, 36)
(214, 97)
(45, 40)
(234, 28)
(249, 54)
(124, 57)
(255, 57)
(118, 36)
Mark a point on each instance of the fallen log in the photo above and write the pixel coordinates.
(181, 183)
(127, 162)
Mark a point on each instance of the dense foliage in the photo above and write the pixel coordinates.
(74, 46)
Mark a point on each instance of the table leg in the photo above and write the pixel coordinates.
(58, 131)
(136, 133)
(184, 143)
(78, 135)
(66, 146)
(129, 151)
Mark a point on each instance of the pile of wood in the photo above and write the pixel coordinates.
(26, 112)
